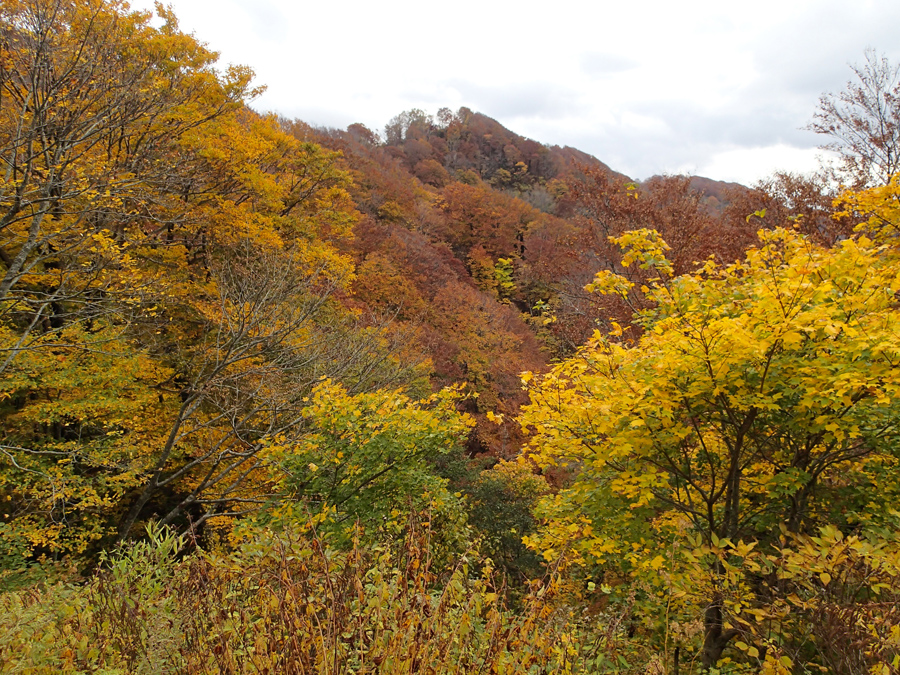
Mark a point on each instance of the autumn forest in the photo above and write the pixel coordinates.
(433, 398)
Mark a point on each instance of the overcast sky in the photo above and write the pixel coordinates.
(713, 88)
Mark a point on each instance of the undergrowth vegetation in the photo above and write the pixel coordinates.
(288, 602)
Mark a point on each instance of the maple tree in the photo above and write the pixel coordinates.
(761, 395)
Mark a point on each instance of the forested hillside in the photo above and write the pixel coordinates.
(433, 398)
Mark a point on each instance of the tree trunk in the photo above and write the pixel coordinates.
(715, 639)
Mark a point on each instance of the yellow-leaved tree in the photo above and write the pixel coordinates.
(97, 111)
(759, 406)
(169, 274)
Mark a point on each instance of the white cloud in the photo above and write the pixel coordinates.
(749, 165)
